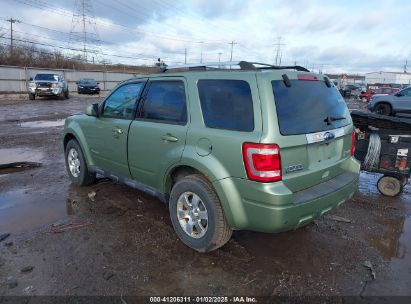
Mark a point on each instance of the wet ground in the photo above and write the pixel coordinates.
(108, 239)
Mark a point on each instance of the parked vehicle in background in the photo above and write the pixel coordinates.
(88, 86)
(392, 104)
(350, 90)
(225, 149)
(46, 85)
(366, 96)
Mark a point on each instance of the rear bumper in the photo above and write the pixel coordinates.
(274, 208)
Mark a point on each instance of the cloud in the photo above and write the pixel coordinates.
(347, 35)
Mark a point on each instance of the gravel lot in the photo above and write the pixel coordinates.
(124, 243)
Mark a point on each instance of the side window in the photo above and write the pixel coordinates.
(121, 103)
(165, 101)
(407, 92)
(227, 104)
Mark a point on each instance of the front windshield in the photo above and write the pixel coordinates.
(88, 82)
(46, 77)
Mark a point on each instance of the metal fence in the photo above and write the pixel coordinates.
(15, 79)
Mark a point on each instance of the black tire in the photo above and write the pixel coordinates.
(84, 176)
(389, 186)
(32, 96)
(383, 109)
(66, 94)
(217, 231)
(403, 180)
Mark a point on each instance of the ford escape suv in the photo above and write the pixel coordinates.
(258, 148)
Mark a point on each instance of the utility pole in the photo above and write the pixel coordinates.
(232, 47)
(278, 53)
(11, 20)
(185, 56)
(405, 66)
(219, 56)
(201, 52)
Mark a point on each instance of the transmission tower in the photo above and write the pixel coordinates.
(279, 52)
(83, 33)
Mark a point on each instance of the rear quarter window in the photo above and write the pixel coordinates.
(226, 104)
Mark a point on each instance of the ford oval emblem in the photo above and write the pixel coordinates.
(329, 136)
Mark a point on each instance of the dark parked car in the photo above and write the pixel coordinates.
(350, 90)
(88, 86)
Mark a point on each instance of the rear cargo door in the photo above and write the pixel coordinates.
(315, 128)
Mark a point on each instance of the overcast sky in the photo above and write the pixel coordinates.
(334, 36)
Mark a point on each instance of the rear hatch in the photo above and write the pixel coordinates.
(315, 129)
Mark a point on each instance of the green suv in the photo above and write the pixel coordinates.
(259, 147)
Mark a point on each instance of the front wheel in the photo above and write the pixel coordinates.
(76, 165)
(383, 109)
(197, 215)
(66, 94)
(389, 186)
(32, 96)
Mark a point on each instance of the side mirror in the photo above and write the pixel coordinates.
(76, 82)
(92, 110)
(31, 79)
(398, 94)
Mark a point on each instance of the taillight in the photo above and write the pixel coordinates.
(353, 141)
(308, 77)
(262, 162)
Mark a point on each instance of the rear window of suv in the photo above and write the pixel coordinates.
(308, 107)
(227, 104)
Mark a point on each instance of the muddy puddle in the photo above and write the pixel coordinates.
(22, 210)
(19, 159)
(42, 123)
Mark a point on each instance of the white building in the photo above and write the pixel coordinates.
(388, 78)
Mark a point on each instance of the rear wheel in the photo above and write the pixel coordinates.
(76, 165)
(197, 215)
(383, 109)
(32, 96)
(389, 185)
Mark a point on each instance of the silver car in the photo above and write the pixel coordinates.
(48, 85)
(398, 103)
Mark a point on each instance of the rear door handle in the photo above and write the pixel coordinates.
(169, 137)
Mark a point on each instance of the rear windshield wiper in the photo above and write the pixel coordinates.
(330, 119)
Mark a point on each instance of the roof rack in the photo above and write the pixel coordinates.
(243, 65)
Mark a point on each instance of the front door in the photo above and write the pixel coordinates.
(107, 135)
(157, 136)
(402, 101)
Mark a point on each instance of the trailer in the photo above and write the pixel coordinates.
(383, 145)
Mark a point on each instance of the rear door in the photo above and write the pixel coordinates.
(315, 128)
(157, 136)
